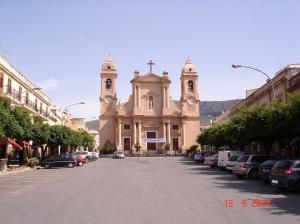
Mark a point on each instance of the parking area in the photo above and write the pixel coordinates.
(141, 190)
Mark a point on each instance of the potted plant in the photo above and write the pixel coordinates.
(33, 162)
(137, 147)
(167, 147)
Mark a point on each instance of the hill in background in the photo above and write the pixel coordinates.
(207, 109)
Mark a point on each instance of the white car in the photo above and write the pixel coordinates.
(118, 155)
(231, 163)
(224, 156)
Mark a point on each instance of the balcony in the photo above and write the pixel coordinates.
(25, 103)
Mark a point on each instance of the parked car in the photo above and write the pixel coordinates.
(247, 165)
(80, 159)
(211, 161)
(67, 160)
(285, 174)
(95, 156)
(264, 170)
(118, 155)
(87, 155)
(231, 163)
(224, 156)
(198, 156)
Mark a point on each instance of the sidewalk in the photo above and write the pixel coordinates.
(20, 169)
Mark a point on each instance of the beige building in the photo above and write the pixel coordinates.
(23, 92)
(285, 81)
(149, 118)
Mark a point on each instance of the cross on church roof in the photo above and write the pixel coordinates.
(151, 63)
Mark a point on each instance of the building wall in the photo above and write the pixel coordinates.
(286, 81)
(157, 115)
(37, 103)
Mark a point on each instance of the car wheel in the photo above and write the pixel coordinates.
(47, 166)
(281, 188)
(298, 187)
(267, 181)
(80, 163)
(70, 165)
(239, 176)
(253, 174)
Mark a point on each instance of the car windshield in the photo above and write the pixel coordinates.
(283, 164)
(269, 162)
(243, 159)
(233, 158)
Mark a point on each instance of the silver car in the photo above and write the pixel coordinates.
(231, 163)
(118, 155)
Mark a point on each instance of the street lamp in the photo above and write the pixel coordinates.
(260, 71)
(66, 109)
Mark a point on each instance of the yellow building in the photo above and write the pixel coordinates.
(149, 118)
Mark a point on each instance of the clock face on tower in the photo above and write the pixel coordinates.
(107, 99)
(190, 100)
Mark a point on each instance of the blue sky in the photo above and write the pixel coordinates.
(61, 44)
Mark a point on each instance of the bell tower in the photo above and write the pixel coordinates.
(189, 89)
(108, 101)
(108, 95)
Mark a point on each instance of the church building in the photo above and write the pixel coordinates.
(149, 118)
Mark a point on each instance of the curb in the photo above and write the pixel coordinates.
(13, 172)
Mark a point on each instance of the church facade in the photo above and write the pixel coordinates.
(149, 118)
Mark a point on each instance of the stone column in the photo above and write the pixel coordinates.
(140, 132)
(183, 133)
(134, 96)
(119, 134)
(169, 132)
(134, 133)
(167, 97)
(164, 96)
(138, 96)
(164, 130)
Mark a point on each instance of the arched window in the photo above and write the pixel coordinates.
(108, 84)
(151, 102)
(190, 86)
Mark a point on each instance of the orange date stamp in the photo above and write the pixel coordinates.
(247, 203)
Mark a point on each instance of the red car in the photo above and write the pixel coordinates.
(80, 159)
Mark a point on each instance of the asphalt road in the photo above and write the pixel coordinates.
(140, 190)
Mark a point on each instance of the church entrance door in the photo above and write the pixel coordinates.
(175, 144)
(151, 146)
(127, 144)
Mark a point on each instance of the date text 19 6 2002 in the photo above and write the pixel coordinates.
(254, 203)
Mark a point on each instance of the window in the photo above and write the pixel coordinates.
(151, 102)
(175, 126)
(1, 80)
(108, 84)
(126, 126)
(190, 69)
(190, 86)
(20, 93)
(108, 67)
(9, 90)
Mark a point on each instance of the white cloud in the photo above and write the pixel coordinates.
(51, 84)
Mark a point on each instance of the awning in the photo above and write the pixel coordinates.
(13, 143)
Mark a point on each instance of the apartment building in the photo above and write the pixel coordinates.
(22, 92)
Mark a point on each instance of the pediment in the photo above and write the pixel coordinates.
(149, 78)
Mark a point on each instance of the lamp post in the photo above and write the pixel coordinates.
(66, 109)
(260, 71)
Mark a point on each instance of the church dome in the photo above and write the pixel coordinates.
(108, 64)
(189, 66)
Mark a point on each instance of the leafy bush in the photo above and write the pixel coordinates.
(33, 162)
(167, 146)
(137, 147)
(108, 148)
